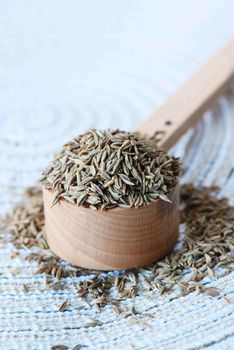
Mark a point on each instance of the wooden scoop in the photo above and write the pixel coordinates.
(125, 238)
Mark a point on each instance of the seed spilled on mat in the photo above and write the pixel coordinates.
(122, 169)
(207, 244)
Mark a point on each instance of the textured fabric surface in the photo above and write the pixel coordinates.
(32, 321)
(55, 82)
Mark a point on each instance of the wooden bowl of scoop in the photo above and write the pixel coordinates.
(125, 238)
(113, 239)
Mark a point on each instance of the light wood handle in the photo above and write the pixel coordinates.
(183, 109)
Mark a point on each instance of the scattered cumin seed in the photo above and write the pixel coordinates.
(116, 309)
(211, 291)
(63, 306)
(93, 323)
(59, 347)
(77, 347)
(228, 300)
(14, 254)
(25, 288)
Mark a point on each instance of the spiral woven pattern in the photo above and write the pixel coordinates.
(52, 89)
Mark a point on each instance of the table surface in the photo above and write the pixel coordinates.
(68, 67)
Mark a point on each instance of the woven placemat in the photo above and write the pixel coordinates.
(32, 321)
(60, 75)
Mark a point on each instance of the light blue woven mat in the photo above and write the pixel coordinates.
(67, 67)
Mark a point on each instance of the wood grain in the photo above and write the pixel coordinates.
(114, 239)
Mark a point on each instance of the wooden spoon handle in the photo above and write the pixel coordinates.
(183, 109)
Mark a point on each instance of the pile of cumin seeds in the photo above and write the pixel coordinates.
(104, 169)
(25, 221)
(206, 250)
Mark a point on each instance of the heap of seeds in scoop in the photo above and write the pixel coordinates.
(111, 168)
(206, 250)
